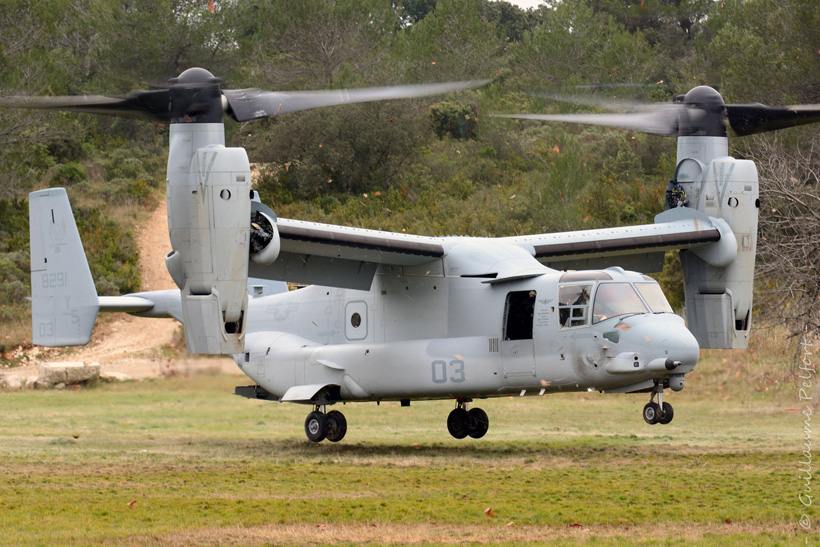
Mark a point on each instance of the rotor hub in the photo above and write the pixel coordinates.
(196, 97)
(704, 114)
(195, 77)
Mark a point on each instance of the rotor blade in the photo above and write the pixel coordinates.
(140, 104)
(748, 119)
(663, 121)
(250, 104)
(603, 102)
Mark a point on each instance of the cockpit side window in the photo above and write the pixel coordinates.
(653, 295)
(573, 305)
(613, 299)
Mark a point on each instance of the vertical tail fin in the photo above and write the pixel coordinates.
(64, 301)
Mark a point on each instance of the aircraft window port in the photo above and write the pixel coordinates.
(653, 295)
(573, 305)
(356, 320)
(518, 315)
(613, 299)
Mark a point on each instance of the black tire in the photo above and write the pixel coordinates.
(667, 414)
(336, 426)
(479, 423)
(458, 423)
(651, 413)
(316, 426)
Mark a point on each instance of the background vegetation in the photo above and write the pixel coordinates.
(441, 166)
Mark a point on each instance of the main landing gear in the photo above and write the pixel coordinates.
(462, 422)
(321, 425)
(660, 412)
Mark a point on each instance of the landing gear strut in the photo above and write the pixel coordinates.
(321, 425)
(461, 422)
(660, 412)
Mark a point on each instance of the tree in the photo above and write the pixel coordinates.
(454, 42)
(351, 149)
(153, 40)
(788, 265)
(318, 43)
(768, 53)
(578, 46)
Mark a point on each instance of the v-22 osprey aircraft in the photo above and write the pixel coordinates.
(400, 317)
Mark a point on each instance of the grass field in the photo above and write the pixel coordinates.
(183, 461)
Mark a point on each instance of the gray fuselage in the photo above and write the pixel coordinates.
(419, 334)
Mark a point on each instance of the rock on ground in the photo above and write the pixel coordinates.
(68, 372)
(12, 383)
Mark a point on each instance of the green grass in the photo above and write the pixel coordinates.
(183, 461)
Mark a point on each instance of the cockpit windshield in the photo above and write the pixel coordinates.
(653, 295)
(613, 299)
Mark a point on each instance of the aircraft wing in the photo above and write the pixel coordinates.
(342, 256)
(346, 257)
(639, 248)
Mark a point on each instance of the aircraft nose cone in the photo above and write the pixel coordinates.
(666, 336)
(660, 336)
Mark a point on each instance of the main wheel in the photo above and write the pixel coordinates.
(458, 423)
(479, 423)
(316, 426)
(666, 415)
(336, 426)
(651, 413)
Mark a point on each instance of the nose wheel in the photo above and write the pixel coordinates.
(462, 422)
(660, 412)
(321, 425)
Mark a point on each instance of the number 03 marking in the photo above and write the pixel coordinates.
(455, 368)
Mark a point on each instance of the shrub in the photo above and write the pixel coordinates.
(68, 174)
(454, 119)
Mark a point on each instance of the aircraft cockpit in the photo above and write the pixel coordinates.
(593, 296)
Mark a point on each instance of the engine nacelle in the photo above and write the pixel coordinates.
(718, 280)
(264, 242)
(208, 212)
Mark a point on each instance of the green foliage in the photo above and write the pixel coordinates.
(768, 51)
(121, 163)
(111, 250)
(69, 174)
(453, 42)
(315, 43)
(13, 225)
(455, 119)
(352, 149)
(122, 191)
(14, 278)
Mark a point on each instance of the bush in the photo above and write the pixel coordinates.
(122, 191)
(67, 150)
(124, 166)
(454, 119)
(68, 174)
(111, 251)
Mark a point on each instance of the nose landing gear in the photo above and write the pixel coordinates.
(321, 425)
(660, 412)
(461, 422)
